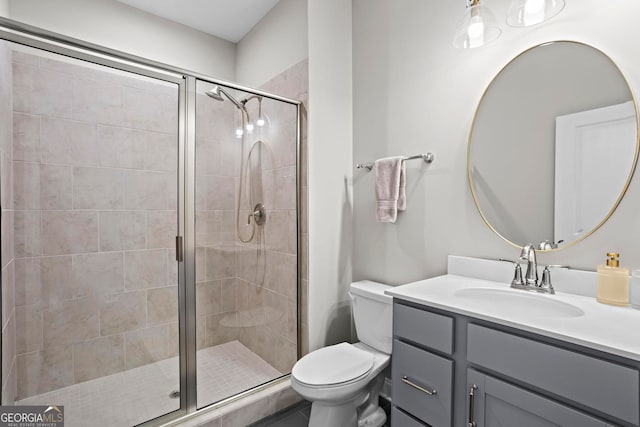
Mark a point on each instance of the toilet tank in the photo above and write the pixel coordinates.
(373, 314)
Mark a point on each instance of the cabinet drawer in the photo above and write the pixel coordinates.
(603, 386)
(414, 369)
(429, 329)
(400, 419)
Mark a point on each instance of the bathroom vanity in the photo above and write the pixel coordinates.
(470, 351)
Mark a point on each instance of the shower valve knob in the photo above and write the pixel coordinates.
(259, 214)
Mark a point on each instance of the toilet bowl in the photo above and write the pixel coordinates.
(337, 372)
(343, 381)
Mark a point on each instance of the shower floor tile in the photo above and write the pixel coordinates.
(137, 395)
(229, 369)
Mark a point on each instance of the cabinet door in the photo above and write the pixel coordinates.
(494, 403)
(588, 381)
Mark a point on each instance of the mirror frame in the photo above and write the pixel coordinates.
(626, 184)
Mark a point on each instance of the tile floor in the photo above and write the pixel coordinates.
(137, 395)
(229, 369)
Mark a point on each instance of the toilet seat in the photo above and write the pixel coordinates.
(337, 364)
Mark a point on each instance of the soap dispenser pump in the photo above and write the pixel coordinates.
(613, 282)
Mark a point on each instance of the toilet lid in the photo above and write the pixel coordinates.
(333, 365)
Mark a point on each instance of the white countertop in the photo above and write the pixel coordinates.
(614, 330)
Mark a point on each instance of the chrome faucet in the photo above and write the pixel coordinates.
(528, 254)
(530, 281)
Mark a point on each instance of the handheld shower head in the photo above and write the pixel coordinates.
(216, 93)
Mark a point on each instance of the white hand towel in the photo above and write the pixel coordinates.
(388, 172)
(402, 193)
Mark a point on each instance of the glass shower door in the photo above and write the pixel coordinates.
(246, 236)
(88, 239)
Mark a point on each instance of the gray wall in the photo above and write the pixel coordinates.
(274, 44)
(330, 171)
(118, 26)
(413, 92)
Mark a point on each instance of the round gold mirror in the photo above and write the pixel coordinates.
(553, 145)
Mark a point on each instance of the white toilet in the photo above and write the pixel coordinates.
(343, 381)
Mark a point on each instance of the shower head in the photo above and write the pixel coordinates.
(217, 92)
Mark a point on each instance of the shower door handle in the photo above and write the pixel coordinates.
(179, 249)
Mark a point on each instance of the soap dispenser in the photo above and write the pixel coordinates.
(613, 282)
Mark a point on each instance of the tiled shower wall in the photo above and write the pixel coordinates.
(7, 254)
(255, 287)
(95, 197)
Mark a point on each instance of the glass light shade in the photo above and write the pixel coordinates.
(239, 133)
(524, 13)
(249, 127)
(478, 27)
(263, 121)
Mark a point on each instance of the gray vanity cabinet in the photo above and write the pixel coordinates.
(422, 380)
(496, 403)
(453, 370)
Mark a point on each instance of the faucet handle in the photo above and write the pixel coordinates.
(545, 283)
(547, 245)
(517, 274)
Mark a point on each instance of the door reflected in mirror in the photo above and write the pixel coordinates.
(553, 145)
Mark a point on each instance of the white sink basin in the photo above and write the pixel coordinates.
(518, 303)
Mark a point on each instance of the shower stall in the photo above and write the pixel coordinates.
(150, 233)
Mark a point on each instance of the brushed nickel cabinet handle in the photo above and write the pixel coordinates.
(430, 392)
(472, 398)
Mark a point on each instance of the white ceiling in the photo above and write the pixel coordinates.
(228, 19)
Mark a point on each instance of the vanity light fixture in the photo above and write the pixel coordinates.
(478, 27)
(524, 13)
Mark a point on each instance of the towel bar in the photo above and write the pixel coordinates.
(428, 158)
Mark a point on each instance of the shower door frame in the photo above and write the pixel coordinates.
(20, 33)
